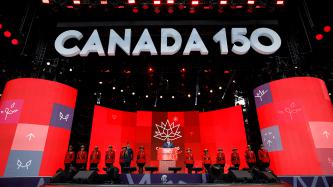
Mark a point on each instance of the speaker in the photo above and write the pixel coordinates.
(240, 176)
(88, 177)
(58, 177)
(269, 177)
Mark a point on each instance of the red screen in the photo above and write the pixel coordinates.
(198, 130)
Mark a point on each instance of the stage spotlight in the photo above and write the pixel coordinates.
(48, 63)
(189, 95)
(223, 2)
(280, 2)
(195, 2)
(172, 97)
(113, 88)
(211, 91)
(220, 87)
(121, 90)
(199, 93)
(183, 70)
(15, 41)
(131, 2)
(133, 93)
(319, 37)
(7, 34)
(150, 70)
(104, 2)
(135, 10)
(147, 96)
(169, 2)
(76, 2)
(250, 2)
(327, 28)
(161, 97)
(70, 69)
(100, 82)
(157, 2)
(46, 1)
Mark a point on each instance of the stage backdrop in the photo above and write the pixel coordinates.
(35, 122)
(296, 122)
(197, 130)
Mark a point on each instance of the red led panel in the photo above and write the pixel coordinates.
(196, 130)
(296, 119)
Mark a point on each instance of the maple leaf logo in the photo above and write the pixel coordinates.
(167, 130)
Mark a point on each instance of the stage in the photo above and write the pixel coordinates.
(175, 185)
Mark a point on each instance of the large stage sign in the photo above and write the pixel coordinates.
(296, 122)
(196, 130)
(170, 42)
(35, 123)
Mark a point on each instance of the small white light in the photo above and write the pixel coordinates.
(100, 82)
(211, 91)
(161, 97)
(199, 93)
(147, 96)
(48, 63)
(172, 97)
(220, 87)
(189, 95)
(133, 93)
(113, 88)
(70, 69)
(234, 81)
(329, 94)
(121, 91)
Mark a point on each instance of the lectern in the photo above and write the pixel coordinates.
(167, 157)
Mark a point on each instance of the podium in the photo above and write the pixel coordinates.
(167, 157)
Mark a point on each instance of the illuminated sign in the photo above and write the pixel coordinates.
(240, 43)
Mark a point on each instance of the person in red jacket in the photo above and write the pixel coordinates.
(220, 159)
(189, 160)
(81, 159)
(235, 159)
(95, 157)
(206, 160)
(122, 158)
(250, 157)
(109, 157)
(69, 158)
(263, 158)
(141, 159)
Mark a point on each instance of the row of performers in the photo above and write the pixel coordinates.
(126, 156)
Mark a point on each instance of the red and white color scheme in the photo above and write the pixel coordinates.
(35, 122)
(296, 122)
(196, 130)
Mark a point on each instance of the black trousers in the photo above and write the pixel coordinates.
(93, 166)
(221, 167)
(236, 166)
(140, 166)
(108, 165)
(207, 166)
(251, 165)
(124, 165)
(81, 166)
(68, 166)
(264, 166)
(189, 168)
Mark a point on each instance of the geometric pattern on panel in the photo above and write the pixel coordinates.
(62, 116)
(23, 163)
(325, 157)
(322, 134)
(30, 137)
(262, 95)
(10, 111)
(271, 138)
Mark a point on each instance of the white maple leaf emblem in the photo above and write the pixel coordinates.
(167, 130)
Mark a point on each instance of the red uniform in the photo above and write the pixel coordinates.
(69, 157)
(95, 157)
(206, 159)
(121, 158)
(189, 158)
(250, 157)
(263, 156)
(81, 157)
(141, 158)
(110, 157)
(220, 158)
(235, 158)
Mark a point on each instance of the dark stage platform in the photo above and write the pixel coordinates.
(175, 185)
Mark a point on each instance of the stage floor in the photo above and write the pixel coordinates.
(173, 185)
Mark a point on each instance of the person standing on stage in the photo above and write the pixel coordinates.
(69, 158)
(220, 159)
(141, 159)
(263, 158)
(122, 158)
(168, 144)
(206, 160)
(95, 158)
(128, 156)
(189, 160)
(235, 159)
(250, 157)
(81, 159)
(109, 157)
